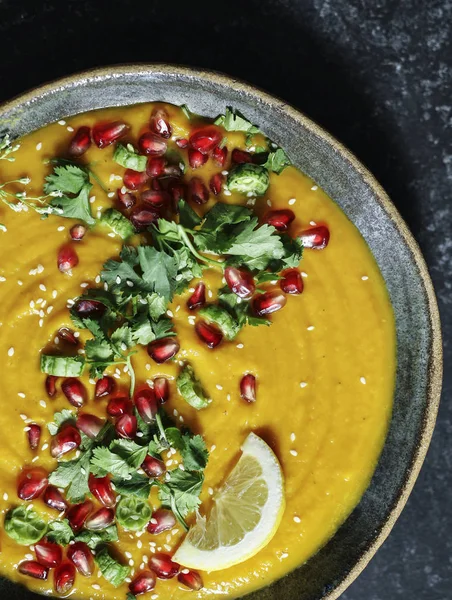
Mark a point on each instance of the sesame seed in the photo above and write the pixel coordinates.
(41, 322)
(96, 586)
(167, 547)
(128, 554)
(314, 188)
(20, 282)
(23, 417)
(11, 351)
(210, 293)
(131, 562)
(212, 448)
(227, 192)
(111, 194)
(38, 146)
(292, 201)
(364, 278)
(240, 346)
(228, 397)
(5, 496)
(62, 122)
(112, 235)
(219, 387)
(284, 555)
(210, 490)
(303, 384)
(293, 437)
(294, 453)
(45, 446)
(363, 380)
(170, 314)
(303, 274)
(54, 294)
(225, 172)
(21, 395)
(269, 202)
(310, 328)
(70, 129)
(297, 519)
(181, 467)
(139, 544)
(313, 223)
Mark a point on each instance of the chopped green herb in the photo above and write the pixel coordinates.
(118, 223)
(95, 538)
(138, 485)
(181, 492)
(73, 186)
(121, 460)
(218, 315)
(73, 476)
(60, 532)
(129, 159)
(113, 571)
(190, 388)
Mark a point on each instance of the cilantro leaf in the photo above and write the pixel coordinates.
(73, 476)
(233, 120)
(120, 460)
(256, 247)
(277, 161)
(187, 216)
(74, 180)
(58, 419)
(138, 485)
(111, 569)
(192, 448)
(60, 532)
(181, 492)
(159, 270)
(95, 538)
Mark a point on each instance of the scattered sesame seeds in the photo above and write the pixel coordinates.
(314, 188)
(210, 490)
(226, 192)
(311, 328)
(293, 437)
(364, 278)
(239, 346)
(294, 453)
(45, 446)
(62, 122)
(303, 384)
(219, 387)
(292, 201)
(11, 351)
(212, 448)
(313, 223)
(38, 146)
(363, 380)
(21, 395)
(70, 129)
(297, 519)
(269, 202)
(20, 282)
(170, 313)
(111, 194)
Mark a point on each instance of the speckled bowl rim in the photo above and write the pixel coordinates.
(435, 366)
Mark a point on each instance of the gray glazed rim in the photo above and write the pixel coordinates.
(419, 373)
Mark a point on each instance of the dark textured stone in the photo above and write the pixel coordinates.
(377, 75)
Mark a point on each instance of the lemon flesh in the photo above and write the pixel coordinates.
(246, 513)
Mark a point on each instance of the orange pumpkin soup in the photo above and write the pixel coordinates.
(169, 285)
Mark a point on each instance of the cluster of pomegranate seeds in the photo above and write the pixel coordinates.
(75, 391)
(316, 238)
(102, 490)
(67, 259)
(34, 435)
(198, 297)
(81, 557)
(31, 483)
(208, 333)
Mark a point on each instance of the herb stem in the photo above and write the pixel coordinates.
(132, 375)
(187, 241)
(158, 418)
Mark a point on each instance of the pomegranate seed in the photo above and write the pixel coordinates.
(34, 435)
(240, 156)
(66, 440)
(182, 143)
(133, 179)
(90, 308)
(100, 519)
(101, 489)
(216, 181)
(153, 467)
(75, 391)
(155, 198)
(248, 387)
(126, 199)
(144, 582)
(80, 142)
(32, 483)
(126, 426)
(240, 281)
(142, 218)
(55, 499)
(316, 238)
(64, 578)
(146, 404)
(208, 333)
(67, 335)
(198, 191)
(192, 580)
(162, 520)
(78, 514)
(80, 555)
(156, 166)
(161, 389)
(163, 349)
(172, 171)
(196, 159)
(77, 232)
(291, 282)
(104, 386)
(51, 385)
(67, 259)
(156, 185)
(178, 192)
(48, 554)
(204, 140)
(160, 124)
(219, 155)
(280, 219)
(163, 566)
(150, 143)
(105, 134)
(198, 298)
(33, 569)
(270, 302)
(90, 425)
(119, 405)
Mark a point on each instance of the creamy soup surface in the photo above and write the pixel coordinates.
(324, 367)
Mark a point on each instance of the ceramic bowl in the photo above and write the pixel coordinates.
(327, 574)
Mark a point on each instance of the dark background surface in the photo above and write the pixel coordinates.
(378, 75)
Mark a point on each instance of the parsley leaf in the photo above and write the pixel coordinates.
(181, 492)
(73, 476)
(74, 180)
(60, 532)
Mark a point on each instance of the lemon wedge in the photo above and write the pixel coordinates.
(247, 511)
